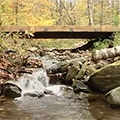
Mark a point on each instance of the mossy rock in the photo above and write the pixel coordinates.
(106, 78)
(113, 97)
(72, 71)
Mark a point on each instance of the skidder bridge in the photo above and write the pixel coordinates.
(82, 32)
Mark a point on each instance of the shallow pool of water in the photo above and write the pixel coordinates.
(100, 111)
(46, 108)
(66, 107)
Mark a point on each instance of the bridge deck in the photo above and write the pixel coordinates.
(63, 31)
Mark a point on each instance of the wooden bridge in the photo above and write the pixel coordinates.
(85, 32)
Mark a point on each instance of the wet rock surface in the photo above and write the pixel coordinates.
(10, 90)
(79, 86)
(37, 94)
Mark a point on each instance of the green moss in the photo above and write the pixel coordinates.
(107, 66)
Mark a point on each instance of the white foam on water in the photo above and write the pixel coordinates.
(38, 82)
(56, 89)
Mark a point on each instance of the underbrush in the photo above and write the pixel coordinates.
(106, 43)
(14, 42)
(8, 41)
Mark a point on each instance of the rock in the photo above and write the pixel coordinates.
(82, 71)
(50, 64)
(72, 68)
(98, 114)
(10, 90)
(32, 49)
(56, 78)
(90, 70)
(32, 63)
(77, 61)
(72, 71)
(113, 97)
(38, 94)
(64, 66)
(101, 64)
(10, 51)
(90, 96)
(105, 78)
(79, 86)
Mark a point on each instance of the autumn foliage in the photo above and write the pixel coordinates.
(59, 12)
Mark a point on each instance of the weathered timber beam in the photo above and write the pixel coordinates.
(86, 32)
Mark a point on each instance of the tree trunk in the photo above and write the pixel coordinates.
(90, 11)
(106, 53)
(101, 19)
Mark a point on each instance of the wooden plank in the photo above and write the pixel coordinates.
(86, 32)
(60, 28)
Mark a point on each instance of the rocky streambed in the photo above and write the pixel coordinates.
(52, 84)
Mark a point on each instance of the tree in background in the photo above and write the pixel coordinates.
(90, 4)
(65, 12)
(27, 12)
(39, 12)
(60, 12)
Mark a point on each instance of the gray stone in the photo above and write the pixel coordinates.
(79, 86)
(64, 67)
(38, 94)
(77, 61)
(113, 97)
(81, 73)
(72, 71)
(11, 91)
(51, 65)
(105, 78)
(101, 64)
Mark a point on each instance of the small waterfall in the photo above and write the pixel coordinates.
(37, 84)
(37, 81)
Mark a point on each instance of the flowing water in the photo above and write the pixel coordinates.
(62, 104)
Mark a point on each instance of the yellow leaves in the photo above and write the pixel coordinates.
(81, 12)
(27, 12)
(38, 13)
(32, 20)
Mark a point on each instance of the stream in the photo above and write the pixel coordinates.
(60, 102)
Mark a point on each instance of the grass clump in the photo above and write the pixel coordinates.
(106, 43)
(102, 44)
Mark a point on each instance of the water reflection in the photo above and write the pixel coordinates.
(46, 108)
(10, 111)
(54, 108)
(66, 107)
(101, 111)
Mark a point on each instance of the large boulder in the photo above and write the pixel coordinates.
(113, 97)
(105, 78)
